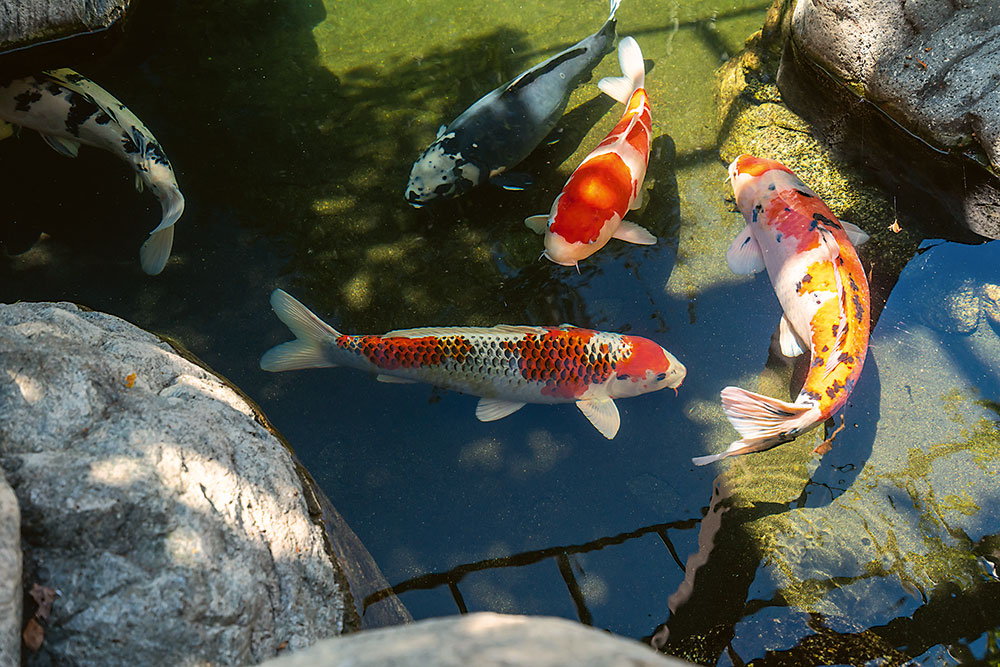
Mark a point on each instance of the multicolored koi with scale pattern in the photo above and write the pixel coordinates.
(507, 366)
(810, 257)
(590, 209)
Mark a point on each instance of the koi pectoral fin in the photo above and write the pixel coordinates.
(512, 180)
(640, 200)
(66, 147)
(857, 235)
(603, 414)
(491, 409)
(744, 255)
(537, 223)
(633, 233)
(790, 344)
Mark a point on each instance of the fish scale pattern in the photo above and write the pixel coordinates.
(560, 363)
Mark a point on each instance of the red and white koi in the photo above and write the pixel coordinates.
(507, 366)
(590, 209)
(815, 271)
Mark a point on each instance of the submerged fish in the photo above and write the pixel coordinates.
(590, 209)
(810, 257)
(68, 109)
(507, 366)
(504, 126)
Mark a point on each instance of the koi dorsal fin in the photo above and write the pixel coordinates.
(438, 332)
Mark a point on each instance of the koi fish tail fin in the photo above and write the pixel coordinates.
(762, 421)
(614, 8)
(633, 72)
(156, 250)
(308, 350)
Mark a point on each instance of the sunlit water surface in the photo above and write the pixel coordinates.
(292, 127)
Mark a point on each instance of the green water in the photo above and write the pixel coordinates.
(292, 127)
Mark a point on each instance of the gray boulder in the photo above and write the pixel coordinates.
(932, 68)
(483, 639)
(10, 576)
(26, 22)
(931, 65)
(172, 523)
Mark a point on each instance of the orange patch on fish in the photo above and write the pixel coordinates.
(597, 190)
(391, 353)
(562, 361)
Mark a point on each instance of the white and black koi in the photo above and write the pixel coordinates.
(504, 126)
(68, 109)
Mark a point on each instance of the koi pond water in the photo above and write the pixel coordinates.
(292, 127)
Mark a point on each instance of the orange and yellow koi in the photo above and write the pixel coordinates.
(815, 271)
(507, 366)
(590, 209)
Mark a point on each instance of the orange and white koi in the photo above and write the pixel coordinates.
(815, 271)
(590, 209)
(507, 366)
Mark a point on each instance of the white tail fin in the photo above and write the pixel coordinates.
(633, 72)
(762, 421)
(156, 250)
(311, 334)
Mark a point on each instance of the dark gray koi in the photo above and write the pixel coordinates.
(504, 126)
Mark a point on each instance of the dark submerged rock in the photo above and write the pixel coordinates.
(24, 23)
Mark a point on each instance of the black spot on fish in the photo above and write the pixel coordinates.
(846, 358)
(834, 388)
(778, 412)
(81, 108)
(779, 240)
(818, 361)
(660, 377)
(826, 348)
(804, 194)
(156, 154)
(54, 88)
(771, 187)
(807, 278)
(623, 376)
(812, 394)
(26, 99)
(74, 77)
(128, 145)
(533, 74)
(819, 217)
(745, 241)
(858, 309)
(103, 118)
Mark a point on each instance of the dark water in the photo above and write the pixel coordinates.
(292, 127)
